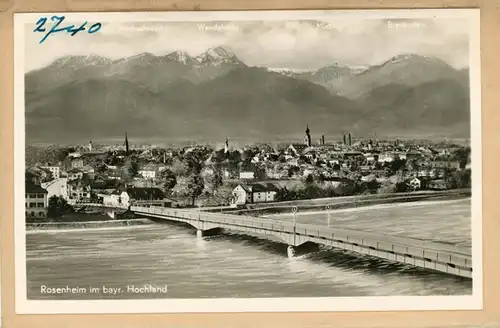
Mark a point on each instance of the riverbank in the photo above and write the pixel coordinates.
(86, 224)
(79, 220)
(264, 209)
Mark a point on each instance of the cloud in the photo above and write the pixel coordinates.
(295, 44)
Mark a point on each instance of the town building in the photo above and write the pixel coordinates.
(78, 191)
(38, 175)
(248, 175)
(111, 199)
(144, 197)
(74, 174)
(415, 184)
(254, 193)
(54, 169)
(87, 169)
(296, 149)
(148, 171)
(36, 201)
(77, 163)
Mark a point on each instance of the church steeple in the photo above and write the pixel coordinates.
(226, 146)
(126, 144)
(307, 137)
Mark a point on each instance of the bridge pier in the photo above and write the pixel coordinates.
(290, 251)
(199, 233)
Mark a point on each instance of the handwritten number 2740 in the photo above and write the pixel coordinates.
(57, 20)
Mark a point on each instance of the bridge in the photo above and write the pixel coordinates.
(420, 253)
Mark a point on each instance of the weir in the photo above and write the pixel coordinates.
(441, 257)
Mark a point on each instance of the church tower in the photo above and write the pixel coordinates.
(90, 146)
(307, 137)
(226, 146)
(126, 144)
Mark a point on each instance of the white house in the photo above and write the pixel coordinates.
(112, 200)
(415, 183)
(54, 169)
(254, 193)
(247, 175)
(242, 195)
(148, 172)
(386, 157)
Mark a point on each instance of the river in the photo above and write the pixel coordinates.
(234, 265)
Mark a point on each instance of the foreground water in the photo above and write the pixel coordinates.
(228, 265)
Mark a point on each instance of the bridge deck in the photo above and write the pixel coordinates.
(422, 253)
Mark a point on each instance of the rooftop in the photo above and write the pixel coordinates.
(145, 193)
(32, 188)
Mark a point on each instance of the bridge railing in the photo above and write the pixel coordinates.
(374, 240)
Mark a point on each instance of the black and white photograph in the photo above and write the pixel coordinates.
(265, 161)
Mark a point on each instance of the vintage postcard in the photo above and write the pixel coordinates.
(247, 161)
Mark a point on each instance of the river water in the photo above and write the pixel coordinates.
(230, 264)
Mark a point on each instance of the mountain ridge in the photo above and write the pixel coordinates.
(216, 94)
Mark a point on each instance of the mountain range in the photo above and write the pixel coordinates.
(215, 95)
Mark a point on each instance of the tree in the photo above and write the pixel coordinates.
(130, 169)
(462, 155)
(309, 179)
(401, 187)
(57, 207)
(260, 173)
(195, 186)
(459, 179)
(397, 164)
(372, 186)
(215, 180)
(178, 167)
(283, 194)
(168, 180)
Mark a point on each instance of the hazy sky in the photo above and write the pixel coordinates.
(291, 44)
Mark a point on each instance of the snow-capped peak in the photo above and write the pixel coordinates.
(220, 52)
(413, 57)
(180, 56)
(80, 61)
(216, 56)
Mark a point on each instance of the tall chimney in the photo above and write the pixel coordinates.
(350, 139)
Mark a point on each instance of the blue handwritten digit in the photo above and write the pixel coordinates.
(94, 28)
(75, 31)
(58, 20)
(39, 25)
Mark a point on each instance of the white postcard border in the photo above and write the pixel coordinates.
(312, 304)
